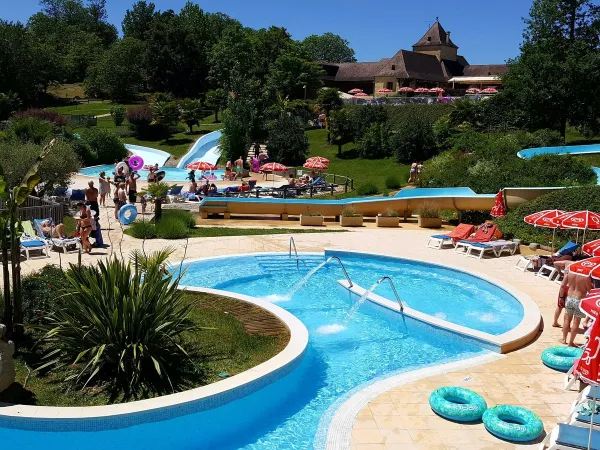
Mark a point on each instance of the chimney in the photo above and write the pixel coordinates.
(447, 37)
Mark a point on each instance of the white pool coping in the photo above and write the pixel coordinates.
(339, 431)
(518, 336)
(289, 355)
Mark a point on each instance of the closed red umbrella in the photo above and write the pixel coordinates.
(315, 165)
(319, 159)
(201, 165)
(273, 167)
(592, 248)
(499, 209)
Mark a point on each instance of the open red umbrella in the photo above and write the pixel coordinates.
(361, 94)
(579, 220)
(586, 267)
(422, 90)
(354, 91)
(545, 219)
(436, 89)
(201, 165)
(319, 159)
(384, 91)
(273, 167)
(406, 89)
(499, 209)
(315, 165)
(490, 91)
(592, 248)
(473, 91)
(591, 305)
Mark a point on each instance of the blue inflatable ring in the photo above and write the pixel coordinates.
(561, 357)
(127, 214)
(458, 404)
(513, 423)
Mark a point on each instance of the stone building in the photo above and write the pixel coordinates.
(433, 62)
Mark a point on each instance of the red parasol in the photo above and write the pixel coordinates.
(473, 91)
(592, 248)
(591, 305)
(319, 159)
(585, 267)
(406, 89)
(499, 209)
(544, 218)
(384, 91)
(490, 91)
(361, 94)
(422, 90)
(315, 165)
(582, 220)
(273, 167)
(354, 91)
(436, 89)
(201, 165)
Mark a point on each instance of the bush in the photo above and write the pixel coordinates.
(41, 293)
(287, 142)
(414, 140)
(376, 142)
(390, 213)
(29, 129)
(349, 211)
(46, 115)
(105, 146)
(9, 103)
(572, 199)
(142, 349)
(365, 117)
(171, 228)
(393, 182)
(118, 114)
(181, 215)
(139, 119)
(475, 217)
(429, 210)
(142, 230)
(368, 189)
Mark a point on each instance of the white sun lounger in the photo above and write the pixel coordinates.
(437, 241)
(478, 249)
(570, 437)
(28, 245)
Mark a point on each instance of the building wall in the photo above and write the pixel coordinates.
(381, 83)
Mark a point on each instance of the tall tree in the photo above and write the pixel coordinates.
(138, 19)
(328, 47)
(556, 80)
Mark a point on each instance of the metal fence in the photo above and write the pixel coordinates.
(37, 208)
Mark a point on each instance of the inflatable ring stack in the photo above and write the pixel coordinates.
(125, 167)
(561, 357)
(513, 423)
(457, 404)
(127, 214)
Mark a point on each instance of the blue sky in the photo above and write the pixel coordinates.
(375, 29)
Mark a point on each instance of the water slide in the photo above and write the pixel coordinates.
(205, 149)
(150, 156)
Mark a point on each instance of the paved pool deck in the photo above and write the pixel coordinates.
(401, 418)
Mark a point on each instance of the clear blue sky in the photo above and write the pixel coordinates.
(376, 29)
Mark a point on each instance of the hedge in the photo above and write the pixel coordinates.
(571, 199)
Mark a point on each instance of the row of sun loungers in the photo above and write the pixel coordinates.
(546, 270)
(473, 245)
(33, 240)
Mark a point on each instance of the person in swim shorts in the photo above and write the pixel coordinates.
(578, 288)
(239, 166)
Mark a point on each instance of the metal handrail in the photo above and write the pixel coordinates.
(292, 242)
(393, 289)
(343, 268)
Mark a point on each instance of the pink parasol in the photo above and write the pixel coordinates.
(354, 91)
(436, 89)
(473, 91)
(315, 165)
(422, 90)
(384, 91)
(499, 209)
(273, 167)
(360, 94)
(319, 159)
(406, 89)
(490, 91)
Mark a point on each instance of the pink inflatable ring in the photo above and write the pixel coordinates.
(136, 163)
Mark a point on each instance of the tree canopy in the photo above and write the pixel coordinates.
(328, 47)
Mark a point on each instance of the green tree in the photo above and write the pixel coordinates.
(165, 113)
(341, 128)
(117, 113)
(555, 80)
(414, 141)
(119, 73)
(138, 19)
(295, 77)
(158, 193)
(328, 47)
(376, 142)
(237, 134)
(105, 147)
(191, 112)
(9, 103)
(216, 99)
(329, 99)
(287, 142)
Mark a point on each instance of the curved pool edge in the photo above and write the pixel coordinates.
(339, 429)
(35, 418)
(506, 342)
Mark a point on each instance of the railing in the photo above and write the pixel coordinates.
(293, 243)
(343, 268)
(393, 289)
(37, 208)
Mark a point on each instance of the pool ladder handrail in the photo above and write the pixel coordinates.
(393, 289)
(337, 258)
(293, 243)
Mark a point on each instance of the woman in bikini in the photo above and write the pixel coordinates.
(84, 226)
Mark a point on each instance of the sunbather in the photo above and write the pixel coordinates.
(58, 231)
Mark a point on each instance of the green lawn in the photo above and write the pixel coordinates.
(93, 108)
(361, 170)
(229, 348)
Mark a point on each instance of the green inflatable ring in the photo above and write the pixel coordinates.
(458, 404)
(561, 357)
(513, 423)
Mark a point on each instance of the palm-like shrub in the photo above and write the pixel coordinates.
(120, 324)
(158, 192)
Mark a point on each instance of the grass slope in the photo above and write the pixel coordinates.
(233, 346)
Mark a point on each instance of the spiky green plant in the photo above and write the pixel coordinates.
(122, 325)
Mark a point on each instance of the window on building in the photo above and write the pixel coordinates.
(429, 38)
(390, 85)
(393, 66)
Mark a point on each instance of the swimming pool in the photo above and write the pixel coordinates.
(171, 173)
(437, 192)
(375, 343)
(562, 150)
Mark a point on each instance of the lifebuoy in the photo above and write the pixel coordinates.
(127, 214)
(561, 358)
(125, 167)
(136, 163)
(513, 423)
(458, 404)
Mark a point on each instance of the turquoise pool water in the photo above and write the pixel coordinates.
(562, 150)
(437, 192)
(376, 343)
(171, 173)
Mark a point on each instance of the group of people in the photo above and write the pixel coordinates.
(125, 188)
(204, 190)
(415, 172)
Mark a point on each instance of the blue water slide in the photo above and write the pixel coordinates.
(205, 149)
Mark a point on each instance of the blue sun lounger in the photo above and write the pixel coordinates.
(570, 437)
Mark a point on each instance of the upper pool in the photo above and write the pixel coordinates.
(437, 192)
(171, 173)
(562, 150)
(294, 412)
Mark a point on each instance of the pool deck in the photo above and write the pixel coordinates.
(401, 417)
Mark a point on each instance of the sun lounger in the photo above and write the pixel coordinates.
(570, 437)
(28, 245)
(62, 243)
(174, 195)
(478, 249)
(483, 234)
(462, 231)
(528, 262)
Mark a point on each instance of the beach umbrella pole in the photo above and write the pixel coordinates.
(589, 446)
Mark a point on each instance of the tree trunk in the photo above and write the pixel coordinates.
(216, 116)
(339, 149)
(157, 210)
(16, 290)
(8, 314)
(563, 127)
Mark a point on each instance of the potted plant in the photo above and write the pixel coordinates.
(429, 215)
(311, 219)
(351, 218)
(388, 219)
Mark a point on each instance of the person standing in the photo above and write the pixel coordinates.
(578, 287)
(132, 186)
(91, 197)
(239, 167)
(104, 185)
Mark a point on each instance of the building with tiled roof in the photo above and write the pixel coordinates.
(433, 62)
